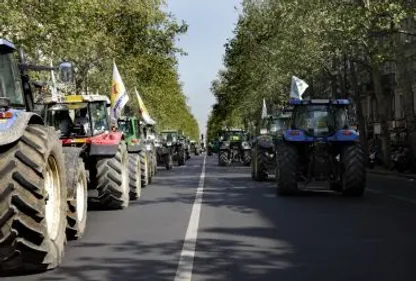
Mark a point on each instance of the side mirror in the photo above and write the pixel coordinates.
(65, 72)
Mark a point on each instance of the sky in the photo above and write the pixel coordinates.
(211, 23)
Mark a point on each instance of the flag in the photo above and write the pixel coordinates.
(143, 110)
(119, 96)
(297, 88)
(264, 110)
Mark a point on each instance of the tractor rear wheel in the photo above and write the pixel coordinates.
(223, 158)
(286, 170)
(135, 176)
(181, 157)
(33, 205)
(113, 179)
(353, 171)
(144, 168)
(77, 184)
(261, 159)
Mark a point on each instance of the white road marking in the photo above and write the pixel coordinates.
(186, 260)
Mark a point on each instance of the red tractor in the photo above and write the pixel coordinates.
(84, 124)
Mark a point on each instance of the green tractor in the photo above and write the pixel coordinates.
(266, 144)
(234, 147)
(139, 157)
(175, 142)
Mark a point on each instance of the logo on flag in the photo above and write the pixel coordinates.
(119, 96)
(297, 88)
(143, 110)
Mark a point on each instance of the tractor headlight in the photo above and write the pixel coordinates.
(245, 145)
(169, 143)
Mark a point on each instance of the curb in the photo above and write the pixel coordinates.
(392, 174)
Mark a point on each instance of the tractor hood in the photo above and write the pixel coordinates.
(143, 111)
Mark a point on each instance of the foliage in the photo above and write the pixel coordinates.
(137, 34)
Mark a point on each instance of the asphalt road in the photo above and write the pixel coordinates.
(246, 233)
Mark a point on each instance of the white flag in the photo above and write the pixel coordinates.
(119, 96)
(264, 110)
(297, 88)
(143, 110)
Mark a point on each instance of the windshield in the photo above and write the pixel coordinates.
(10, 82)
(78, 118)
(124, 126)
(169, 136)
(320, 120)
(233, 136)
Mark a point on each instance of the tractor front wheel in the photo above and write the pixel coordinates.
(113, 179)
(144, 168)
(286, 170)
(260, 160)
(353, 175)
(77, 184)
(223, 158)
(135, 176)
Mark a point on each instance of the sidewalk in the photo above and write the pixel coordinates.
(384, 172)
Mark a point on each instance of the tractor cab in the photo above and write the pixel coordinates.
(78, 116)
(321, 119)
(11, 90)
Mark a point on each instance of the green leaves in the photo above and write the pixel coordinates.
(138, 34)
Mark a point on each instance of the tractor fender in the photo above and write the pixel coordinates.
(12, 129)
(105, 144)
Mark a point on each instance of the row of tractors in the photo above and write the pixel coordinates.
(61, 153)
(305, 144)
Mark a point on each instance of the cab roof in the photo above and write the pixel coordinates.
(6, 46)
(78, 99)
(319, 101)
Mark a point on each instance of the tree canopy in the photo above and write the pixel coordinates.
(138, 34)
(331, 44)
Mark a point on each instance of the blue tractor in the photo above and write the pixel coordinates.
(321, 146)
(33, 189)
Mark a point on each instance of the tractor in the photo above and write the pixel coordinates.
(83, 122)
(34, 190)
(234, 147)
(321, 146)
(164, 153)
(149, 136)
(195, 147)
(266, 144)
(176, 144)
(138, 155)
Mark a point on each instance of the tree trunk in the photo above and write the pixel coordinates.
(405, 83)
(382, 108)
(360, 112)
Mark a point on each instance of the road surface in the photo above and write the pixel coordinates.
(245, 233)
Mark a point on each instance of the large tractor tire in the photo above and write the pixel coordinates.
(286, 170)
(260, 165)
(181, 157)
(33, 205)
(135, 179)
(77, 184)
(154, 163)
(353, 175)
(246, 157)
(113, 179)
(144, 168)
(223, 158)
